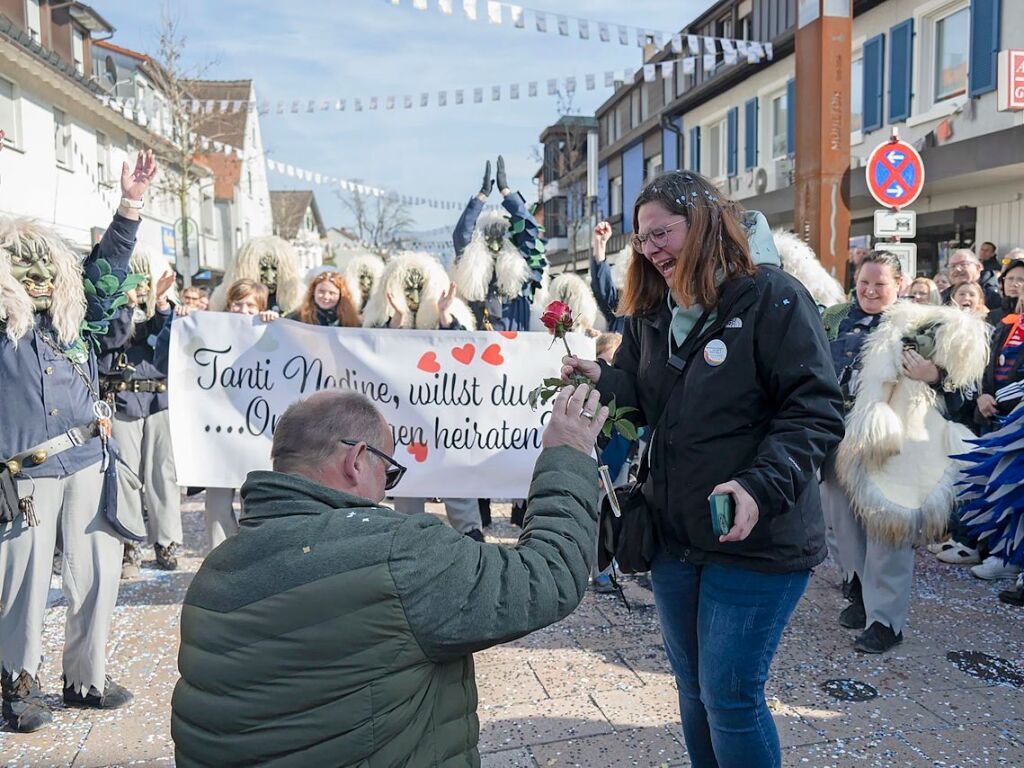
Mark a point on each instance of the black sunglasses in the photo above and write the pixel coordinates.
(393, 471)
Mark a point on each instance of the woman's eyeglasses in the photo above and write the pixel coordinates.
(393, 471)
(658, 236)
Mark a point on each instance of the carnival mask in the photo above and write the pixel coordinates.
(922, 340)
(268, 272)
(413, 288)
(365, 286)
(494, 234)
(32, 266)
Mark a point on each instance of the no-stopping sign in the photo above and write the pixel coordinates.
(895, 174)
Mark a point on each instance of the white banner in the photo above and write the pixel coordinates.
(456, 401)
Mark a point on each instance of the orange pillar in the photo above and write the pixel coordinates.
(822, 118)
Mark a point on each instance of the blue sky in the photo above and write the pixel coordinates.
(363, 48)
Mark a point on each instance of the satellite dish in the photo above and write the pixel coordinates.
(761, 181)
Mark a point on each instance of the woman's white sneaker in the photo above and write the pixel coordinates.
(993, 568)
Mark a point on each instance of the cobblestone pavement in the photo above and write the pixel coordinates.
(595, 690)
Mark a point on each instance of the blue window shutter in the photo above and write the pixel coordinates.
(670, 160)
(874, 68)
(695, 148)
(632, 181)
(984, 46)
(732, 141)
(602, 191)
(791, 117)
(750, 135)
(901, 64)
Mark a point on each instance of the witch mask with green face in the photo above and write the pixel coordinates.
(32, 266)
(365, 287)
(412, 286)
(268, 272)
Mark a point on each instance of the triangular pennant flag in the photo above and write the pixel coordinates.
(419, 5)
(623, 35)
(495, 93)
(311, 107)
(570, 85)
(442, 98)
(424, 99)
(552, 87)
(513, 91)
(641, 38)
(295, 107)
(649, 73)
(769, 51)
(373, 102)
(469, 8)
(584, 26)
(602, 32)
(518, 17)
(390, 102)
(458, 96)
(689, 65)
(731, 57)
(693, 43)
(478, 95)
(340, 105)
(408, 102)
(709, 45)
(359, 105)
(667, 68)
(493, 12)
(591, 82)
(709, 62)
(659, 40)
(532, 89)
(677, 43)
(609, 79)
(542, 21)
(445, 6)
(280, 107)
(727, 45)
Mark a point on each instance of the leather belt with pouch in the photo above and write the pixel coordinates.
(114, 385)
(12, 468)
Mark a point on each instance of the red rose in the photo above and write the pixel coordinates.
(557, 318)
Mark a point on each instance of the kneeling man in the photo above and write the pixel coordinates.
(335, 631)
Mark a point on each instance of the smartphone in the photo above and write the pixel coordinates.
(723, 509)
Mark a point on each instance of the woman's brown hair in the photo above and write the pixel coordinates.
(715, 246)
(246, 287)
(348, 314)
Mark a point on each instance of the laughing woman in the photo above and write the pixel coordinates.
(726, 360)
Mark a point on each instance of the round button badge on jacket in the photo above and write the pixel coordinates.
(715, 352)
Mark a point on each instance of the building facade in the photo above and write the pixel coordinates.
(297, 219)
(64, 147)
(926, 68)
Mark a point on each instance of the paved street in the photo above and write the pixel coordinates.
(595, 691)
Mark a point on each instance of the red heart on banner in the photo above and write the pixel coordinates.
(464, 354)
(429, 363)
(418, 451)
(492, 355)
(509, 334)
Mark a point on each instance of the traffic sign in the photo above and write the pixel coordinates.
(905, 252)
(890, 223)
(1011, 80)
(895, 174)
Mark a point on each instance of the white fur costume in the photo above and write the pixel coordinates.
(364, 263)
(571, 289)
(378, 312)
(246, 264)
(153, 266)
(799, 260)
(475, 266)
(894, 461)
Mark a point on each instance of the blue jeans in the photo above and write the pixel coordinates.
(721, 626)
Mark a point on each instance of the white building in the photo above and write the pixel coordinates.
(64, 148)
(297, 220)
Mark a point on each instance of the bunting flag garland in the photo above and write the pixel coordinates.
(498, 11)
(752, 52)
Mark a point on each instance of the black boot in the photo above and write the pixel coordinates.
(114, 696)
(851, 589)
(166, 557)
(877, 638)
(1014, 596)
(476, 535)
(485, 512)
(518, 513)
(23, 707)
(853, 616)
